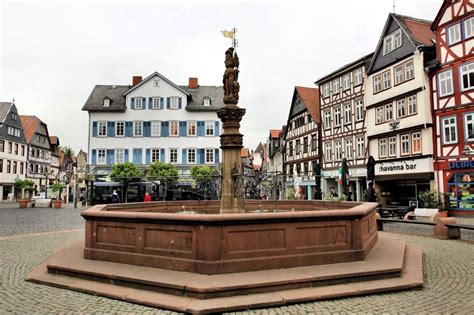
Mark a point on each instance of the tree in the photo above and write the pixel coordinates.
(125, 173)
(204, 175)
(22, 185)
(166, 173)
(68, 151)
(56, 188)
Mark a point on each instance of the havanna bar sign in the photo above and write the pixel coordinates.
(404, 167)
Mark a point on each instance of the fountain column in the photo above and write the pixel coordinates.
(231, 138)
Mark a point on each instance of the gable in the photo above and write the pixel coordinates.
(163, 88)
(297, 106)
(12, 119)
(149, 81)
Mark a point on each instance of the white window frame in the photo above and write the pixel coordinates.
(138, 128)
(338, 150)
(155, 102)
(360, 146)
(454, 34)
(397, 39)
(325, 90)
(206, 102)
(392, 146)
(191, 155)
(119, 155)
(346, 82)
(357, 76)
(387, 79)
(399, 74)
(174, 102)
(469, 28)
(138, 103)
(382, 147)
(209, 155)
(122, 123)
(416, 136)
(336, 86)
(155, 155)
(327, 119)
(388, 108)
(348, 149)
(191, 123)
(174, 123)
(468, 120)
(173, 155)
(348, 113)
(337, 116)
(445, 83)
(409, 72)
(405, 144)
(209, 129)
(377, 83)
(328, 148)
(466, 69)
(412, 106)
(155, 128)
(387, 44)
(101, 126)
(379, 115)
(359, 105)
(401, 105)
(101, 161)
(450, 124)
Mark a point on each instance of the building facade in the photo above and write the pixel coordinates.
(343, 128)
(398, 112)
(13, 161)
(452, 86)
(302, 140)
(153, 120)
(274, 148)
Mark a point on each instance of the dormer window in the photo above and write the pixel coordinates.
(206, 101)
(392, 41)
(156, 83)
(106, 102)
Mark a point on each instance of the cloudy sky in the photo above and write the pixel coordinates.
(52, 53)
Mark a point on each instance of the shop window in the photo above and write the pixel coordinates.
(461, 191)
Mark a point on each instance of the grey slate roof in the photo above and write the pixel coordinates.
(4, 108)
(195, 104)
(113, 92)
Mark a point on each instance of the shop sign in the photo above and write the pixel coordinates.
(404, 167)
(461, 165)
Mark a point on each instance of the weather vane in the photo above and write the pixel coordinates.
(231, 34)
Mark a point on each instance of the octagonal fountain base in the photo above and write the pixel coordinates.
(203, 262)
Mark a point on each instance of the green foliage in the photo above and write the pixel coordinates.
(68, 151)
(56, 187)
(123, 172)
(329, 197)
(162, 171)
(202, 172)
(23, 184)
(429, 199)
(289, 194)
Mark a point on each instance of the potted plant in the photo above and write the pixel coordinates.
(56, 188)
(431, 199)
(22, 185)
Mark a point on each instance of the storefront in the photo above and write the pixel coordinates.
(357, 183)
(456, 179)
(399, 182)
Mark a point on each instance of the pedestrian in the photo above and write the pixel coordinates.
(371, 197)
(147, 197)
(115, 197)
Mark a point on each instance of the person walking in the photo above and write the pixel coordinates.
(147, 197)
(115, 197)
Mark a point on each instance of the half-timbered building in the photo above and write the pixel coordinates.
(343, 127)
(398, 111)
(452, 86)
(302, 137)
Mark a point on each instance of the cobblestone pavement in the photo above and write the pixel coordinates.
(448, 269)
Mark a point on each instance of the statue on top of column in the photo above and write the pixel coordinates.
(231, 74)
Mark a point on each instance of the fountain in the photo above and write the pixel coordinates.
(230, 254)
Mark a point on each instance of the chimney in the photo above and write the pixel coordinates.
(193, 83)
(136, 79)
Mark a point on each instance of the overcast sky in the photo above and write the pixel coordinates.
(53, 53)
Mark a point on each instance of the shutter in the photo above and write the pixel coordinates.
(168, 102)
(180, 102)
(132, 103)
(111, 128)
(182, 129)
(200, 156)
(150, 103)
(125, 158)
(94, 157)
(143, 102)
(216, 156)
(184, 156)
(147, 128)
(148, 156)
(217, 131)
(140, 157)
(94, 128)
(128, 129)
(165, 130)
(200, 128)
(162, 155)
(162, 102)
(110, 157)
(137, 156)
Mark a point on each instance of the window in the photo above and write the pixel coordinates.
(454, 34)
(328, 152)
(156, 83)
(14, 116)
(155, 128)
(22, 150)
(305, 144)
(387, 44)
(346, 81)
(21, 168)
(392, 146)
(379, 115)
(209, 128)
(412, 108)
(338, 149)
(401, 108)
(397, 39)
(16, 149)
(106, 102)
(191, 128)
(174, 128)
(337, 116)
(173, 155)
(327, 119)
(386, 79)
(298, 147)
(469, 28)
(359, 105)
(119, 156)
(156, 103)
(469, 127)
(409, 70)
(347, 113)
(405, 144)
(15, 167)
(325, 90)
(2, 146)
(445, 83)
(9, 167)
(392, 41)
(383, 147)
(101, 156)
(209, 155)
(358, 76)
(377, 83)
(138, 103)
(314, 143)
(416, 142)
(388, 112)
(448, 125)
(155, 155)
(191, 156)
(335, 86)
(398, 74)
(467, 76)
(1, 166)
(290, 149)
(174, 102)
(120, 129)
(102, 129)
(138, 128)
(360, 146)
(10, 147)
(206, 101)
(348, 148)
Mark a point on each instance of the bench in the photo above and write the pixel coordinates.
(41, 203)
(454, 230)
(393, 211)
(421, 213)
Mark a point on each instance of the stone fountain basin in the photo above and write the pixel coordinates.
(292, 234)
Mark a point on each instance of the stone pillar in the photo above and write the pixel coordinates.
(310, 192)
(358, 189)
(231, 145)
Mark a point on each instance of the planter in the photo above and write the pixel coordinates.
(57, 203)
(443, 214)
(23, 202)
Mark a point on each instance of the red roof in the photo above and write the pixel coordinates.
(275, 133)
(54, 140)
(310, 97)
(420, 29)
(244, 152)
(29, 124)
